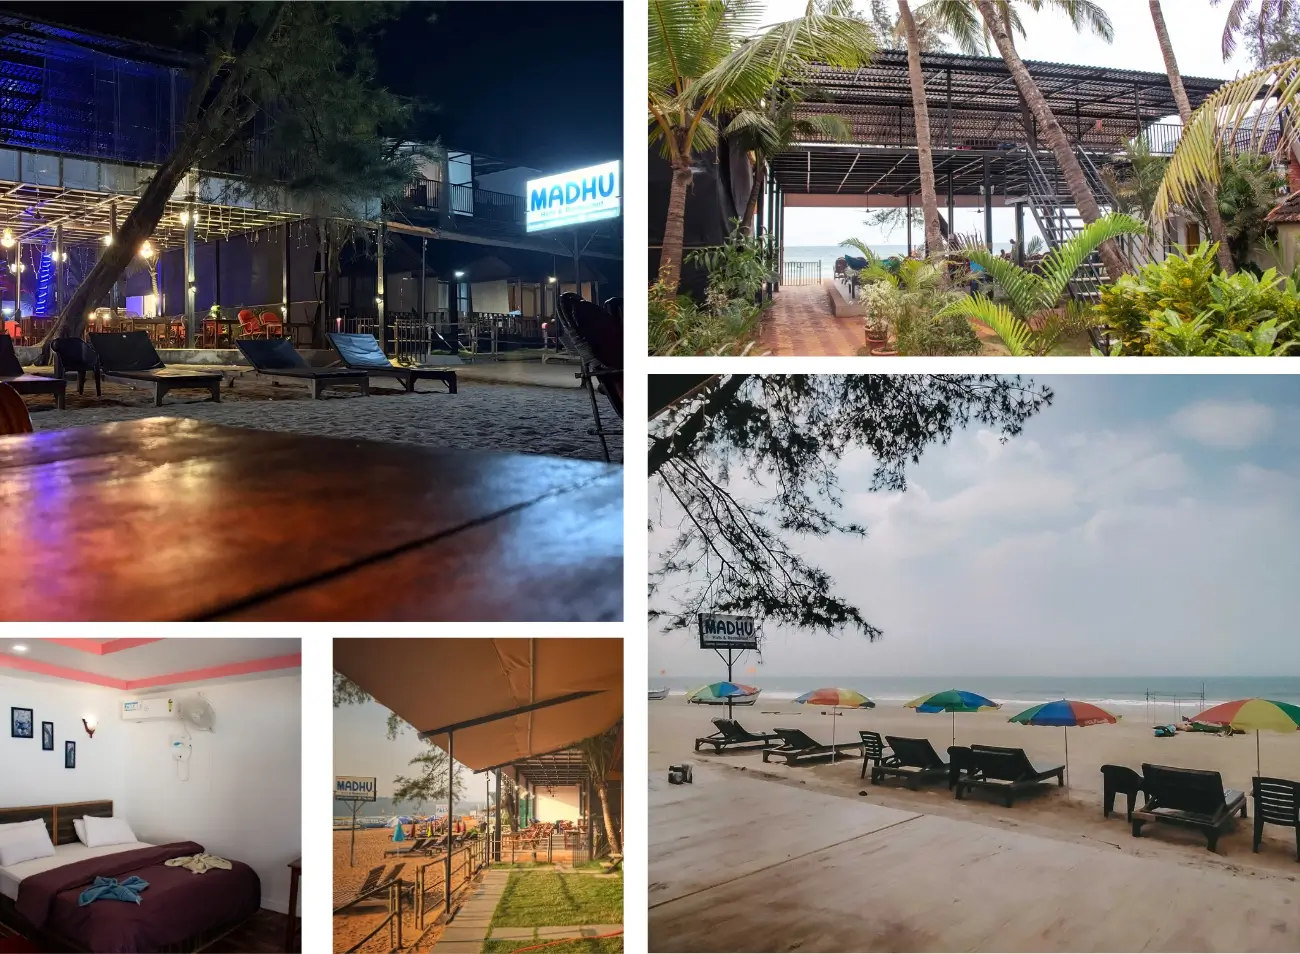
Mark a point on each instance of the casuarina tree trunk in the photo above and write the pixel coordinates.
(1209, 196)
(670, 256)
(131, 234)
(1051, 130)
(924, 146)
(602, 792)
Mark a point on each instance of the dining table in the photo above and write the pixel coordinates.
(168, 518)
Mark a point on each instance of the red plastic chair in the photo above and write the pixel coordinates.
(13, 330)
(251, 326)
(272, 323)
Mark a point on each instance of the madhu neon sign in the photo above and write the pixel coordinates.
(574, 198)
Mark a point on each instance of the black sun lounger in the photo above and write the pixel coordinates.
(277, 358)
(798, 746)
(416, 847)
(1190, 797)
(1005, 771)
(362, 353)
(732, 735)
(129, 357)
(913, 760)
(12, 374)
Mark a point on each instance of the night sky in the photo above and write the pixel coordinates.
(539, 84)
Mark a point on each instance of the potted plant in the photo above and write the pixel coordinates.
(877, 331)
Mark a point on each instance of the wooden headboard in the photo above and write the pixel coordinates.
(57, 818)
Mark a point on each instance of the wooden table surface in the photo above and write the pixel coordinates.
(173, 519)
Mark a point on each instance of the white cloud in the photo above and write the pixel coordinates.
(1231, 425)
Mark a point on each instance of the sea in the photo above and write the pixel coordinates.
(827, 254)
(1162, 695)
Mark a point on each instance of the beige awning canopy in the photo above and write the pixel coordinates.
(492, 702)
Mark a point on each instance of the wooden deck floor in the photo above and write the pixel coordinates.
(800, 323)
(742, 864)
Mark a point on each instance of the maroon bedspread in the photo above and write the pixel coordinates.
(176, 906)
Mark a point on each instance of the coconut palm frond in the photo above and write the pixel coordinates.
(1013, 333)
(1231, 119)
(871, 257)
(1026, 290)
(1236, 18)
(833, 128)
(1063, 261)
(960, 20)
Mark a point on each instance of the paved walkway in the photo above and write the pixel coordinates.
(931, 883)
(800, 323)
(472, 924)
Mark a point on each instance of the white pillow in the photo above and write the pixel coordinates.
(107, 831)
(79, 826)
(33, 844)
(12, 830)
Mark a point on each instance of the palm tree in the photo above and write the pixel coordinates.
(1209, 201)
(601, 753)
(1269, 11)
(1230, 119)
(1031, 324)
(708, 58)
(924, 147)
(999, 20)
(772, 129)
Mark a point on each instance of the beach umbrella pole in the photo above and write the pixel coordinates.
(834, 713)
(1067, 762)
(954, 726)
(1257, 771)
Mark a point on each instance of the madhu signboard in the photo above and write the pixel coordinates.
(354, 788)
(722, 631)
(574, 198)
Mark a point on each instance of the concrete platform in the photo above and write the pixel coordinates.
(842, 306)
(743, 864)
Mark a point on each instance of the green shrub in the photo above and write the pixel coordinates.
(1185, 306)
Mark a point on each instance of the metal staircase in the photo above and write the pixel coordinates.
(1059, 220)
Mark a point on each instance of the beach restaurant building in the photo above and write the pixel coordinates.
(87, 118)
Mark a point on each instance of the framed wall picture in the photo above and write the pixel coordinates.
(69, 754)
(47, 736)
(20, 723)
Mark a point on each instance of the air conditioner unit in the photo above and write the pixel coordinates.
(148, 709)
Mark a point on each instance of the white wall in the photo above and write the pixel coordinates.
(243, 797)
(491, 297)
(561, 806)
(30, 776)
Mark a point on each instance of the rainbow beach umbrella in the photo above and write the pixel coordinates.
(1065, 713)
(837, 699)
(718, 692)
(1254, 714)
(954, 701)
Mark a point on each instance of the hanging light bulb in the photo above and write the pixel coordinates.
(108, 240)
(7, 239)
(185, 217)
(146, 250)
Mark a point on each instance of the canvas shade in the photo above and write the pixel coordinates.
(438, 683)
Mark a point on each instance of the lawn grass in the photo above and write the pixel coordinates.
(545, 898)
(590, 945)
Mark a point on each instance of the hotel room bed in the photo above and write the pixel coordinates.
(179, 911)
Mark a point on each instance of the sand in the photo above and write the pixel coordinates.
(1054, 812)
(355, 923)
(481, 416)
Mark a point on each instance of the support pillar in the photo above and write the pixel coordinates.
(1020, 234)
(988, 207)
(381, 237)
(191, 283)
(112, 237)
(496, 837)
(909, 226)
(284, 278)
(451, 782)
(424, 251)
(58, 268)
(18, 285)
(952, 211)
(764, 186)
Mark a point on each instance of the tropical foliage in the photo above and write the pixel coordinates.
(1033, 319)
(1186, 306)
(909, 300)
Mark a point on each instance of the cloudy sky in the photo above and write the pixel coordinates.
(1143, 525)
(1195, 28)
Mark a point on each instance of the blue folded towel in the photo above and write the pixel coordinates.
(111, 889)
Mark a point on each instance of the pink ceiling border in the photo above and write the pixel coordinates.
(270, 664)
(100, 647)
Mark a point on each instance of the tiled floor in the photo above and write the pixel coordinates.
(800, 323)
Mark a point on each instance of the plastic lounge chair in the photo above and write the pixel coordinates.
(873, 750)
(129, 357)
(1007, 772)
(278, 359)
(596, 337)
(733, 735)
(73, 355)
(362, 353)
(416, 847)
(12, 374)
(1190, 797)
(960, 762)
(913, 760)
(1277, 802)
(14, 418)
(1119, 779)
(798, 746)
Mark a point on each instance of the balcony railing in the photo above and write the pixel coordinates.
(1163, 138)
(482, 205)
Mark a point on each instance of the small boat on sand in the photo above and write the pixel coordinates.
(656, 694)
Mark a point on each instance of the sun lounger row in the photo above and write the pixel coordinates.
(130, 358)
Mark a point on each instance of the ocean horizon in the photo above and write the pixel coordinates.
(827, 254)
(1184, 694)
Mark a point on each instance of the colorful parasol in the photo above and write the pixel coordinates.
(1254, 714)
(716, 691)
(954, 701)
(836, 699)
(1066, 713)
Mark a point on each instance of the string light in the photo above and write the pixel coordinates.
(146, 250)
(7, 239)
